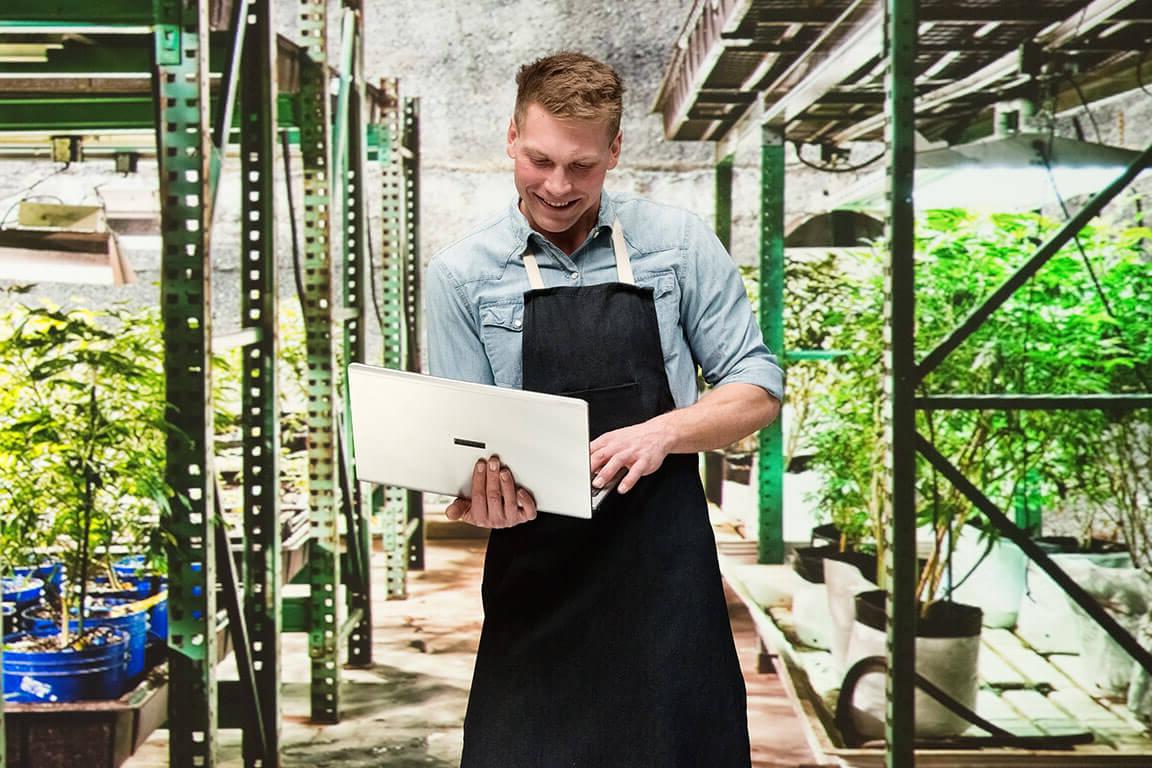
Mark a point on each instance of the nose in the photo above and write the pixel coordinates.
(558, 183)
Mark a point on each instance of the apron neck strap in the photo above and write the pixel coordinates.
(619, 247)
(534, 279)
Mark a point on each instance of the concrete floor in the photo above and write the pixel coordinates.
(407, 710)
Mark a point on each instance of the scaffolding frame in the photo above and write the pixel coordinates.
(192, 153)
(788, 85)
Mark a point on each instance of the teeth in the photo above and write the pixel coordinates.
(556, 205)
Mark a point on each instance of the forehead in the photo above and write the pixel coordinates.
(544, 133)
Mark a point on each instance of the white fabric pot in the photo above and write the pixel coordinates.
(844, 581)
(993, 582)
(1046, 619)
(1140, 690)
(950, 663)
(810, 614)
(1124, 593)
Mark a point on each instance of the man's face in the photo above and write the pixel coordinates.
(560, 168)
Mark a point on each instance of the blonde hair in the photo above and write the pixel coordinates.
(571, 86)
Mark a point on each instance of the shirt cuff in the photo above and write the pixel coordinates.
(763, 373)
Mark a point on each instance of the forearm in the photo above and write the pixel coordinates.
(719, 418)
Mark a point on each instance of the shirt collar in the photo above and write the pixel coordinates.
(522, 231)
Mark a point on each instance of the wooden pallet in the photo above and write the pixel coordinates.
(1021, 690)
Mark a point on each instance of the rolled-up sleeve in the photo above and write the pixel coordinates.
(718, 321)
(455, 349)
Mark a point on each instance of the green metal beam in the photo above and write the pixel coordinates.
(410, 159)
(357, 273)
(392, 503)
(324, 561)
(260, 410)
(183, 142)
(900, 410)
(724, 202)
(771, 474)
(65, 12)
(96, 113)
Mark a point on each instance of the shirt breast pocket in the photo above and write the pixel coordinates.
(502, 331)
(666, 295)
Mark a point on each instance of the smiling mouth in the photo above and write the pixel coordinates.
(556, 206)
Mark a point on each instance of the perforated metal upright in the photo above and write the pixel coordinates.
(900, 383)
(182, 140)
(318, 278)
(771, 311)
(259, 400)
(353, 151)
(394, 265)
(411, 298)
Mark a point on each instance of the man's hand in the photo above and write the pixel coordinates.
(639, 450)
(496, 500)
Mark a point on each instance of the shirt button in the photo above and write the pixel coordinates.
(516, 323)
(575, 275)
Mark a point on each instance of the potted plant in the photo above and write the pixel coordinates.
(87, 422)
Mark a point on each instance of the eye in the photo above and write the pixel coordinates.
(539, 162)
(582, 166)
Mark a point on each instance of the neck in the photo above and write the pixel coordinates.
(573, 237)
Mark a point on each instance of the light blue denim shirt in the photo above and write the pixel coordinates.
(475, 297)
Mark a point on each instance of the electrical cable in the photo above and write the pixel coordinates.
(1139, 74)
(372, 277)
(25, 196)
(1084, 103)
(834, 168)
(285, 152)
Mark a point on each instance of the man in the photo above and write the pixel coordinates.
(605, 642)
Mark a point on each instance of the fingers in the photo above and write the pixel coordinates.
(479, 505)
(508, 494)
(608, 471)
(527, 503)
(458, 509)
(496, 502)
(493, 496)
(635, 472)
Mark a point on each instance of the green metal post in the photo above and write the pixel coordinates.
(411, 297)
(260, 406)
(724, 201)
(713, 473)
(771, 475)
(183, 147)
(900, 408)
(392, 266)
(356, 275)
(324, 559)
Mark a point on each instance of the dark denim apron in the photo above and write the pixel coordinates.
(606, 643)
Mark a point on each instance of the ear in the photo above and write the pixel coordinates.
(510, 148)
(614, 150)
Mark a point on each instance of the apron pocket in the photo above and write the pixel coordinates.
(611, 407)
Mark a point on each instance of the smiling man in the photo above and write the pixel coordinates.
(605, 642)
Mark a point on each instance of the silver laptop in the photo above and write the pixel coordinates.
(425, 433)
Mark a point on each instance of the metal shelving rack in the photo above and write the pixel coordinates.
(162, 57)
(769, 69)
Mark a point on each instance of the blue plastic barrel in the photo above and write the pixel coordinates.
(51, 572)
(135, 624)
(137, 588)
(37, 677)
(22, 590)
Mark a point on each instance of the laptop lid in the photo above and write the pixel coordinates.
(426, 433)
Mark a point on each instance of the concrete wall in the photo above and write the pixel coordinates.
(461, 59)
